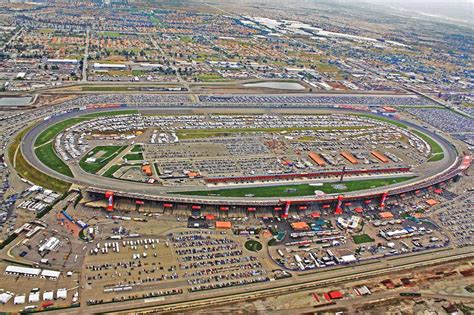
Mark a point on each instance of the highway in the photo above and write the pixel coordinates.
(91, 180)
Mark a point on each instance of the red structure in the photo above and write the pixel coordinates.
(110, 196)
(382, 200)
(287, 209)
(338, 211)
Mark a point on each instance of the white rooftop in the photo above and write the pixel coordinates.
(50, 273)
(19, 299)
(34, 297)
(48, 295)
(23, 270)
(61, 294)
(348, 258)
(5, 297)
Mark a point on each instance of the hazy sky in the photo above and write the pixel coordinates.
(453, 9)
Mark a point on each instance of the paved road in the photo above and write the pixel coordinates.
(86, 56)
(85, 179)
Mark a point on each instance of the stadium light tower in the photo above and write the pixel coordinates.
(343, 173)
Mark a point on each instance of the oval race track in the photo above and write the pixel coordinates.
(82, 178)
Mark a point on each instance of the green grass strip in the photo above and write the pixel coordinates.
(298, 190)
(47, 155)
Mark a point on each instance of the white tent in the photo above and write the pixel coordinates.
(34, 297)
(5, 297)
(19, 299)
(48, 295)
(61, 294)
(22, 271)
(348, 258)
(50, 274)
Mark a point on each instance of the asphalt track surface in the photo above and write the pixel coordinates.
(85, 179)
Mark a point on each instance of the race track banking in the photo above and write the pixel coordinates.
(84, 179)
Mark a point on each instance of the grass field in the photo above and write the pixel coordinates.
(25, 170)
(210, 77)
(387, 120)
(436, 157)
(15, 142)
(47, 155)
(253, 245)
(110, 172)
(134, 156)
(110, 34)
(297, 190)
(136, 148)
(186, 39)
(435, 147)
(156, 21)
(109, 152)
(362, 238)
(57, 128)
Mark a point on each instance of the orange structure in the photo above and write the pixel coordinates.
(193, 174)
(348, 156)
(300, 226)
(386, 215)
(223, 225)
(379, 156)
(317, 159)
(147, 170)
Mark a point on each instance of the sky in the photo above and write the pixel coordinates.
(462, 10)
